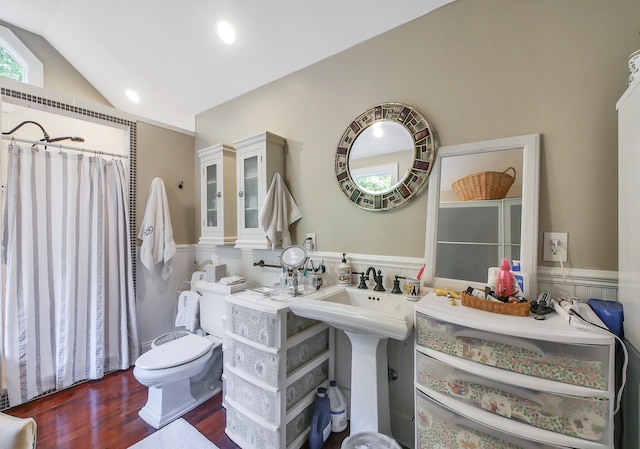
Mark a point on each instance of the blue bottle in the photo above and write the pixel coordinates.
(321, 420)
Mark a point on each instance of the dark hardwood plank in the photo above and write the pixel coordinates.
(103, 414)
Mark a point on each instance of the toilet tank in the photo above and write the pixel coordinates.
(212, 305)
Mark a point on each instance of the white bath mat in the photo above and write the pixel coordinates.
(177, 435)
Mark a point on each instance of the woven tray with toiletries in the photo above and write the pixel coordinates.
(506, 308)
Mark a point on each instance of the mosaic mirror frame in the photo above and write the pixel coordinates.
(413, 181)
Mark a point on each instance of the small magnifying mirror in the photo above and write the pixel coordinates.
(293, 259)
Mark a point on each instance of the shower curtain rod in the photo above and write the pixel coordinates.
(66, 147)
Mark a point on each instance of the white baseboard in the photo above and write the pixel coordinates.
(402, 424)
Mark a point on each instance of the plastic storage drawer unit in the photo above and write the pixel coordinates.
(439, 428)
(584, 365)
(580, 417)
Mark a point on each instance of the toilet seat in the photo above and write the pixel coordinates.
(174, 353)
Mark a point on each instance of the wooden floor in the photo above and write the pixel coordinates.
(103, 414)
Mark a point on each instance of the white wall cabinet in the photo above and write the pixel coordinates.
(217, 195)
(543, 384)
(628, 211)
(274, 361)
(463, 250)
(628, 243)
(258, 159)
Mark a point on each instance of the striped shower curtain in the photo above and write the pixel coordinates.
(68, 297)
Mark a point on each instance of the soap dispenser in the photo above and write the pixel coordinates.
(344, 272)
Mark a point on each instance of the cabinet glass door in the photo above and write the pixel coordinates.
(212, 195)
(250, 189)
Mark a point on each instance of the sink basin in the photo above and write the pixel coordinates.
(369, 319)
(367, 312)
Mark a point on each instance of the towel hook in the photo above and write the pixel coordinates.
(181, 185)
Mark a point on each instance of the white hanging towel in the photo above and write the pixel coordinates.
(156, 231)
(195, 277)
(188, 310)
(278, 212)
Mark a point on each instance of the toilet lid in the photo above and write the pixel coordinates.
(174, 353)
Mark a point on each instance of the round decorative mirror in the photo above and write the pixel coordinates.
(385, 156)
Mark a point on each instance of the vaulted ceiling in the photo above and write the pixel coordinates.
(169, 52)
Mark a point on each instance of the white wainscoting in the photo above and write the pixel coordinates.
(157, 301)
(583, 284)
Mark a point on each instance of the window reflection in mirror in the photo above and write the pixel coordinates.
(381, 156)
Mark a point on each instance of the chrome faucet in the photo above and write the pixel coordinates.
(377, 278)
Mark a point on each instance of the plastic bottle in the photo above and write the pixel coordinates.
(321, 420)
(520, 278)
(338, 408)
(344, 272)
(505, 280)
(492, 277)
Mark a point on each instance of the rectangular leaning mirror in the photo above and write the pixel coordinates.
(466, 237)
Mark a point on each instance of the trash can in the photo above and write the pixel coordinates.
(369, 440)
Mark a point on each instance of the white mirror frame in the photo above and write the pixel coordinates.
(530, 198)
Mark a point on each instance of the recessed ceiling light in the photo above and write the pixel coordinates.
(133, 96)
(226, 32)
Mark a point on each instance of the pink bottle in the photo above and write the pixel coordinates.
(505, 280)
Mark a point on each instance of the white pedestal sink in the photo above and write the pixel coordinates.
(369, 319)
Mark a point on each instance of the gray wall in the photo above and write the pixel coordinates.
(169, 155)
(477, 71)
(58, 75)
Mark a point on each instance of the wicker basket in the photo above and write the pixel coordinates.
(506, 308)
(486, 185)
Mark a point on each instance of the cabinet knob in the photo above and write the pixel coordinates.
(240, 193)
(218, 194)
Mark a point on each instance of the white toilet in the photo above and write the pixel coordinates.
(183, 373)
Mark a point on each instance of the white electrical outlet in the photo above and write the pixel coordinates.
(555, 246)
(312, 236)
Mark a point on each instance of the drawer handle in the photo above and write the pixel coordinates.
(520, 392)
(496, 338)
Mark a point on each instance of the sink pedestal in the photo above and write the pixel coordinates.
(369, 319)
(369, 384)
